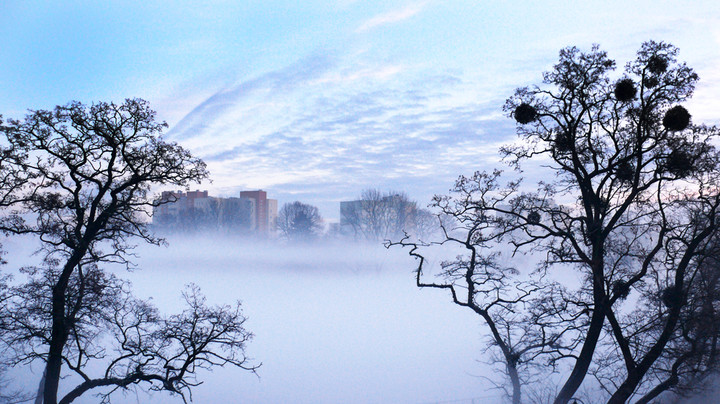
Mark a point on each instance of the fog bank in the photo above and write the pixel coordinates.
(335, 323)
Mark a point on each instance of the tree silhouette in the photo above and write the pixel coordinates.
(81, 178)
(378, 215)
(622, 229)
(299, 221)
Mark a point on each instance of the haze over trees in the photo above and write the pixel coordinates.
(379, 216)
(299, 221)
(624, 230)
(78, 180)
(205, 215)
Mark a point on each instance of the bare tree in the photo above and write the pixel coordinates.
(689, 363)
(379, 215)
(629, 207)
(87, 177)
(300, 221)
(126, 336)
(426, 225)
(522, 314)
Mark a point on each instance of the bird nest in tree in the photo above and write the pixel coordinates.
(679, 163)
(525, 113)
(650, 82)
(671, 297)
(625, 90)
(533, 217)
(563, 142)
(625, 172)
(657, 64)
(676, 118)
(621, 289)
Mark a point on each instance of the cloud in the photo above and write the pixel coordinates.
(327, 126)
(283, 80)
(392, 17)
(324, 128)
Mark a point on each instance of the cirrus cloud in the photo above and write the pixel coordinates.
(392, 16)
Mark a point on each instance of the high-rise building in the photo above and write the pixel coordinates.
(197, 211)
(272, 215)
(265, 210)
(179, 201)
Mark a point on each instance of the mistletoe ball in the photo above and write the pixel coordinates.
(533, 217)
(679, 163)
(621, 289)
(625, 90)
(563, 142)
(657, 64)
(525, 113)
(650, 82)
(625, 172)
(671, 297)
(676, 118)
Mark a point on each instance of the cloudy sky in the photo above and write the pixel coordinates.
(317, 100)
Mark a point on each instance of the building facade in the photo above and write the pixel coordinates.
(251, 213)
(265, 211)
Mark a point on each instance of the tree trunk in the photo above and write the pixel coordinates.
(59, 334)
(41, 389)
(584, 359)
(515, 379)
(57, 343)
(623, 393)
(572, 384)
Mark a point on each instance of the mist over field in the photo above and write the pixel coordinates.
(554, 165)
(333, 323)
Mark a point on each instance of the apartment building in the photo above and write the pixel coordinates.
(191, 211)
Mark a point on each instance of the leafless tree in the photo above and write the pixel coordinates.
(525, 316)
(689, 363)
(300, 221)
(379, 215)
(621, 227)
(87, 174)
(426, 225)
(127, 336)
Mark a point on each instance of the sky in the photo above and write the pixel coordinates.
(317, 100)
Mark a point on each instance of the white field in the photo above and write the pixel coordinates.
(332, 324)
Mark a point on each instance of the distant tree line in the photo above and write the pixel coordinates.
(376, 216)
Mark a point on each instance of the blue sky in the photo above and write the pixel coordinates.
(317, 100)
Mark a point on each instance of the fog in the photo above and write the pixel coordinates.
(334, 323)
